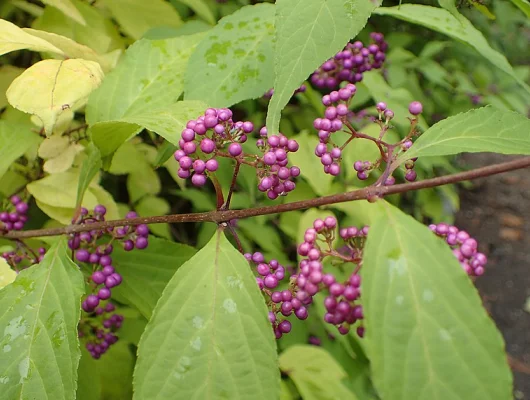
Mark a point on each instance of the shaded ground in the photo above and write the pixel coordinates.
(497, 213)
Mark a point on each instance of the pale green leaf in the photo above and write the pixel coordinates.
(138, 16)
(201, 9)
(485, 129)
(7, 275)
(13, 38)
(427, 333)
(56, 86)
(150, 206)
(68, 9)
(450, 6)
(40, 313)
(63, 161)
(88, 171)
(209, 336)
(71, 49)
(234, 62)
(60, 190)
(316, 374)
(147, 272)
(460, 29)
(310, 167)
(146, 84)
(105, 198)
(143, 182)
(524, 6)
(15, 139)
(308, 32)
(99, 33)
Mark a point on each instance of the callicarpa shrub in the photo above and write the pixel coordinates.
(251, 200)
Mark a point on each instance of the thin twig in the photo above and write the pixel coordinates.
(224, 216)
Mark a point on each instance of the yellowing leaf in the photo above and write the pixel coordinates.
(51, 87)
(68, 9)
(13, 38)
(63, 161)
(53, 146)
(7, 275)
(72, 49)
(7, 74)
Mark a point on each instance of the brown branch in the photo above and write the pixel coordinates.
(225, 216)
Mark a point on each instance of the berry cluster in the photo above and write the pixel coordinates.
(215, 134)
(349, 64)
(337, 116)
(15, 216)
(96, 255)
(274, 176)
(341, 304)
(282, 303)
(464, 248)
(270, 92)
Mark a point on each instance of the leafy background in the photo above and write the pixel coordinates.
(148, 67)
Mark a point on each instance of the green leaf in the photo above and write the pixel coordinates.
(524, 6)
(146, 272)
(234, 62)
(88, 171)
(310, 167)
(145, 86)
(40, 312)
(209, 336)
(479, 130)
(143, 182)
(315, 373)
(68, 9)
(15, 139)
(460, 29)
(138, 16)
(150, 206)
(7, 74)
(116, 372)
(57, 86)
(450, 6)
(427, 333)
(7, 275)
(201, 9)
(308, 32)
(99, 33)
(13, 38)
(89, 383)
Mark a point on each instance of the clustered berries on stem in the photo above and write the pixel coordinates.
(93, 250)
(14, 215)
(336, 118)
(215, 134)
(465, 248)
(349, 64)
(320, 251)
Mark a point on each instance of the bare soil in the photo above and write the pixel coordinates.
(496, 211)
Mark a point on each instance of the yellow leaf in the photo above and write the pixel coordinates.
(7, 275)
(50, 87)
(72, 49)
(7, 74)
(53, 146)
(63, 161)
(68, 9)
(13, 38)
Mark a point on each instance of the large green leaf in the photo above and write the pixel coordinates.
(308, 32)
(142, 91)
(201, 9)
(427, 333)
(138, 16)
(315, 373)
(234, 62)
(40, 312)
(460, 29)
(15, 140)
(68, 9)
(147, 272)
(524, 5)
(209, 337)
(485, 129)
